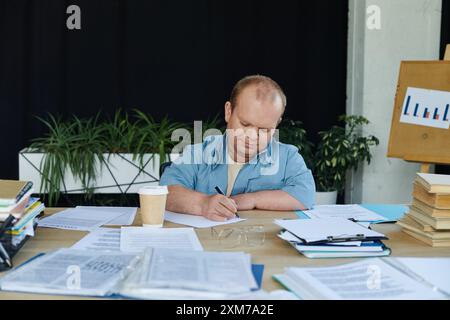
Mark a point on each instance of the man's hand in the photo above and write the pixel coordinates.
(244, 201)
(219, 208)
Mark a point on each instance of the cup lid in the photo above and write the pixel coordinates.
(153, 190)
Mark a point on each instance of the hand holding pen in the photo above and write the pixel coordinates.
(219, 191)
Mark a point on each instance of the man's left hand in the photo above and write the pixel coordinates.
(244, 201)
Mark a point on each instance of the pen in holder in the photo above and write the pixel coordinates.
(10, 245)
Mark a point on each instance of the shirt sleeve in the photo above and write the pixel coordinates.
(181, 172)
(299, 181)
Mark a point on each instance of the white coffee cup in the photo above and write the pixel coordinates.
(153, 205)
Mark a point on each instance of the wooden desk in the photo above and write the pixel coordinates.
(275, 254)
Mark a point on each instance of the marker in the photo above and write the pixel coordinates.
(5, 256)
(219, 191)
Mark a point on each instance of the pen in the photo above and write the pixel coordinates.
(219, 191)
(5, 255)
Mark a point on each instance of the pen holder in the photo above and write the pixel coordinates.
(12, 245)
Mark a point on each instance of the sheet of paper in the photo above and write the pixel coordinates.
(433, 270)
(225, 272)
(136, 239)
(349, 211)
(78, 219)
(103, 239)
(125, 219)
(426, 107)
(312, 230)
(362, 280)
(72, 272)
(196, 221)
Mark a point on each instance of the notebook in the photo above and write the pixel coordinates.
(435, 200)
(434, 183)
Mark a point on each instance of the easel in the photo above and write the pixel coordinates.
(425, 167)
(413, 143)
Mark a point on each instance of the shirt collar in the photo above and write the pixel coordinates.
(218, 146)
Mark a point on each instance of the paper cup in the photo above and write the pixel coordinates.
(153, 205)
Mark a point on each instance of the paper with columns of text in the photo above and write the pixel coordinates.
(136, 239)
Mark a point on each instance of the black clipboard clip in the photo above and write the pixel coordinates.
(357, 237)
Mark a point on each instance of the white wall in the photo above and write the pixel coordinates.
(410, 30)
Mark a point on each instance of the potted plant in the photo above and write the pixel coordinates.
(292, 132)
(89, 155)
(340, 149)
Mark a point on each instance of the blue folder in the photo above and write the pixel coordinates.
(393, 212)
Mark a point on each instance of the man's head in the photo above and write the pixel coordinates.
(253, 112)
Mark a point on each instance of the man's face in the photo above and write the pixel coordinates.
(252, 122)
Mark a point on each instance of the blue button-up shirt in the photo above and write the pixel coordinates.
(203, 166)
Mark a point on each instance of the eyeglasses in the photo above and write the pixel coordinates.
(251, 236)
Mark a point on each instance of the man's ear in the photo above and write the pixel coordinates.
(228, 111)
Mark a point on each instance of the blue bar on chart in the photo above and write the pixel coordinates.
(436, 115)
(407, 106)
(416, 109)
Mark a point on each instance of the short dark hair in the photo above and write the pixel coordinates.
(264, 84)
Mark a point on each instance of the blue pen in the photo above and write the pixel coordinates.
(219, 191)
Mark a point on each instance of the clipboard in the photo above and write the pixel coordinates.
(330, 230)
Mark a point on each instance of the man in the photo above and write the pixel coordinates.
(254, 170)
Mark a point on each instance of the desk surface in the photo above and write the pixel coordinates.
(275, 254)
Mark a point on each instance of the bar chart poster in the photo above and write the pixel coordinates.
(425, 107)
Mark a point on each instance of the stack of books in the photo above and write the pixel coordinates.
(332, 238)
(16, 201)
(428, 218)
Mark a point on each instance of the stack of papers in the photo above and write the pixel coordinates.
(332, 238)
(126, 217)
(89, 218)
(372, 279)
(346, 211)
(185, 274)
(154, 274)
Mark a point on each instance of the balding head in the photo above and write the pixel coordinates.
(265, 89)
(253, 112)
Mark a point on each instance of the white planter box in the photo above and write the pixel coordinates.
(120, 174)
(323, 198)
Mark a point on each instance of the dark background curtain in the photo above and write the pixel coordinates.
(175, 58)
(167, 58)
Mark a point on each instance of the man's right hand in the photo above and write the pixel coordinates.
(219, 208)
